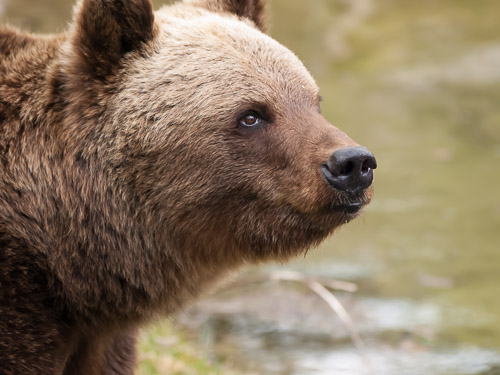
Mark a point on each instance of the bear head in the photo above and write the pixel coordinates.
(211, 129)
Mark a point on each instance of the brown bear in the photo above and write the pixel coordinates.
(144, 155)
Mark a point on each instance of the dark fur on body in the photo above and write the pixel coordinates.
(105, 224)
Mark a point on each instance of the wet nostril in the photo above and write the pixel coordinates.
(365, 167)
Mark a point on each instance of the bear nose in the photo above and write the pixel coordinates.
(350, 169)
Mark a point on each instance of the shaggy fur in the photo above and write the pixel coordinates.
(128, 183)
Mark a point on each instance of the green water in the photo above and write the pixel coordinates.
(417, 82)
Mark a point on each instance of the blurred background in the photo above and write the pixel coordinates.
(418, 83)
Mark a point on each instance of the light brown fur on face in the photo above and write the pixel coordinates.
(130, 183)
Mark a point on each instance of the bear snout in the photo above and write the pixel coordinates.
(350, 169)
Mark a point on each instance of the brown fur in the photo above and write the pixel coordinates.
(253, 10)
(127, 186)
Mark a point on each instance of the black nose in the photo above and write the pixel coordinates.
(350, 169)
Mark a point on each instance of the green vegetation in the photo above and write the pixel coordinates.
(165, 350)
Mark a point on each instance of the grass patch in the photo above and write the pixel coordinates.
(165, 350)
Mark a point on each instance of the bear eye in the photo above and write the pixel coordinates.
(251, 119)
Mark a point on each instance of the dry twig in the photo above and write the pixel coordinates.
(332, 301)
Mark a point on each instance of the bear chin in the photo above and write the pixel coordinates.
(283, 233)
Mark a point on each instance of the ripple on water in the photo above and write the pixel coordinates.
(387, 361)
(282, 330)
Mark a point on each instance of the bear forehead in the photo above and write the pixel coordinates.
(194, 35)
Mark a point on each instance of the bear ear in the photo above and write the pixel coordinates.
(251, 9)
(105, 30)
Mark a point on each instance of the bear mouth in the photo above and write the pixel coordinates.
(349, 208)
(349, 205)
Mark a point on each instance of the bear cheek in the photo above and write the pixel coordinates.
(296, 177)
